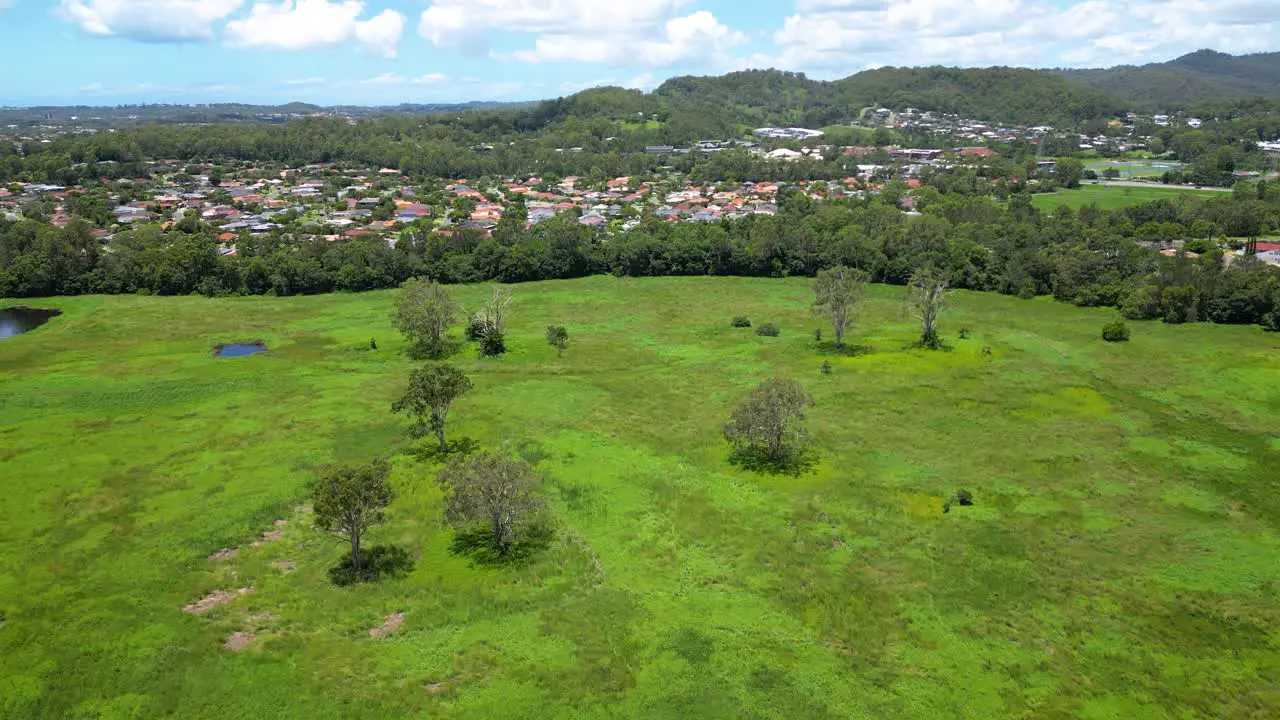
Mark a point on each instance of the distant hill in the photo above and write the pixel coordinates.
(689, 108)
(1011, 95)
(1200, 77)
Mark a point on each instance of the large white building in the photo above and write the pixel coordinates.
(786, 133)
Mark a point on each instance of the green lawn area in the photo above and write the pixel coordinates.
(1120, 560)
(1110, 197)
(1134, 168)
(634, 125)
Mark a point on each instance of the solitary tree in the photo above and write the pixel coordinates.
(432, 390)
(558, 338)
(927, 295)
(771, 420)
(423, 313)
(348, 499)
(497, 491)
(1068, 172)
(494, 321)
(836, 291)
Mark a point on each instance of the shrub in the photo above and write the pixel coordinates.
(492, 343)
(1271, 321)
(964, 498)
(1115, 331)
(964, 333)
(826, 367)
(817, 335)
(768, 330)
(741, 321)
(475, 327)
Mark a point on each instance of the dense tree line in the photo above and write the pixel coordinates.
(1089, 257)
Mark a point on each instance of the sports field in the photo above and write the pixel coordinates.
(1129, 169)
(1110, 197)
(1119, 561)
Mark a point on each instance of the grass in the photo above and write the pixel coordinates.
(1137, 168)
(1110, 197)
(1119, 560)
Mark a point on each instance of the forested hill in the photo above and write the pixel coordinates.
(1201, 77)
(1012, 95)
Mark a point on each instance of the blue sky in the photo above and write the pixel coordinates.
(392, 51)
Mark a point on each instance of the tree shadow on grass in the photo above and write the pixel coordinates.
(377, 562)
(477, 545)
(845, 350)
(938, 344)
(756, 459)
(428, 351)
(429, 450)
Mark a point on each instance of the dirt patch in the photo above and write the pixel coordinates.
(260, 617)
(436, 688)
(280, 523)
(272, 534)
(225, 554)
(238, 641)
(390, 625)
(284, 566)
(214, 599)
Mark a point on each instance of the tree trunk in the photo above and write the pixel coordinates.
(498, 540)
(440, 435)
(355, 551)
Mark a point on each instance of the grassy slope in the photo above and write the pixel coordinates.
(1120, 561)
(1110, 197)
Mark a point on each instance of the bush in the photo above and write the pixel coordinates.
(964, 498)
(964, 333)
(826, 367)
(817, 335)
(768, 330)
(492, 343)
(1115, 332)
(475, 328)
(1271, 321)
(741, 321)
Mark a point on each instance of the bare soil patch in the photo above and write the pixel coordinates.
(390, 625)
(225, 554)
(284, 566)
(272, 534)
(238, 641)
(436, 688)
(214, 599)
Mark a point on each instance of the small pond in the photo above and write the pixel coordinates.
(239, 349)
(17, 320)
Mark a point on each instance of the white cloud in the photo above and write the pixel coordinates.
(150, 20)
(838, 37)
(394, 79)
(646, 33)
(696, 37)
(308, 24)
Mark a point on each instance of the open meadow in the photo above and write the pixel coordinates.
(1111, 197)
(1120, 560)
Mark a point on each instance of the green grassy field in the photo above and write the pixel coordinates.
(1120, 560)
(1133, 168)
(1110, 197)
